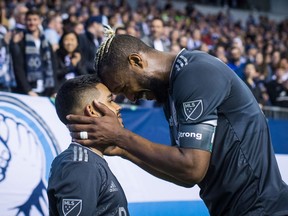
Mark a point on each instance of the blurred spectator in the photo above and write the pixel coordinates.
(284, 64)
(33, 59)
(183, 42)
(90, 41)
(204, 47)
(78, 28)
(131, 30)
(69, 58)
(7, 78)
(278, 88)
(237, 42)
(104, 13)
(221, 53)
(256, 85)
(71, 15)
(113, 21)
(156, 39)
(275, 61)
(251, 53)
(175, 48)
(54, 30)
(174, 36)
(120, 30)
(17, 20)
(262, 67)
(235, 62)
(196, 41)
(4, 15)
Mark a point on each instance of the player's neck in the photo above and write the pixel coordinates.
(97, 151)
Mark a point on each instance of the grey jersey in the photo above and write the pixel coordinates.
(81, 183)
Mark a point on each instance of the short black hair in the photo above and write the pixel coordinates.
(72, 93)
(33, 11)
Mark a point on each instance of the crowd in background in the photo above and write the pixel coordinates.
(43, 43)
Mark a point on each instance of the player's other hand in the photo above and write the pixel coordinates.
(102, 131)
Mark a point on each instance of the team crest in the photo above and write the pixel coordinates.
(193, 109)
(71, 207)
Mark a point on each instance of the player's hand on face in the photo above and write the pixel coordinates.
(101, 131)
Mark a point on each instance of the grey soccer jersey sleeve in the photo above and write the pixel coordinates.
(196, 99)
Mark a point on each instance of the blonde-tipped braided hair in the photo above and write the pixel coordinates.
(112, 54)
(109, 35)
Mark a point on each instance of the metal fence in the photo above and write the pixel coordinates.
(275, 112)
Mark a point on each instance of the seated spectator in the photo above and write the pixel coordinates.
(78, 27)
(256, 85)
(69, 59)
(54, 30)
(278, 88)
(221, 53)
(251, 53)
(275, 61)
(90, 41)
(175, 48)
(204, 47)
(132, 30)
(120, 30)
(174, 36)
(262, 67)
(33, 59)
(235, 62)
(183, 42)
(196, 41)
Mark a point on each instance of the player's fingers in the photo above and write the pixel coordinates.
(104, 110)
(79, 119)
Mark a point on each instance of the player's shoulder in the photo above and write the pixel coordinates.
(78, 154)
(77, 157)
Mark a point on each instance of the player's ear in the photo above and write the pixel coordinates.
(135, 60)
(90, 111)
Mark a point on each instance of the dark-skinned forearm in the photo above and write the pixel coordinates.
(154, 171)
(172, 163)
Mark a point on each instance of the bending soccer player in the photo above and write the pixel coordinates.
(220, 137)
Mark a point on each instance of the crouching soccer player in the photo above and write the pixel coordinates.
(80, 181)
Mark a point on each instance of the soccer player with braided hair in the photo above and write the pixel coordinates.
(220, 137)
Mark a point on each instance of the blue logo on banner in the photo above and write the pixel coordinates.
(27, 148)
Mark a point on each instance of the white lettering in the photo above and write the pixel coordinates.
(122, 211)
(68, 202)
(197, 136)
